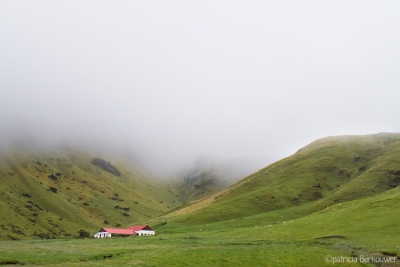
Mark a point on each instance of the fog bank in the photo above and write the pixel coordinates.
(178, 81)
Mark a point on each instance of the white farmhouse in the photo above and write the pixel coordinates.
(139, 230)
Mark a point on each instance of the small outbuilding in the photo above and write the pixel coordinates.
(139, 230)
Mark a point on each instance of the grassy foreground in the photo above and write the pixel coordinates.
(346, 232)
(202, 249)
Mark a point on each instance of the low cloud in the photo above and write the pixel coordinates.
(176, 82)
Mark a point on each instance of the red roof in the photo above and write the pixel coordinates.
(119, 231)
(130, 231)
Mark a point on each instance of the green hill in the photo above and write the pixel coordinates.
(56, 193)
(326, 172)
(337, 196)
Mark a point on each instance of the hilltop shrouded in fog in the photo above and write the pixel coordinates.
(176, 81)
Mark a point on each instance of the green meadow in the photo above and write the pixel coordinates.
(350, 230)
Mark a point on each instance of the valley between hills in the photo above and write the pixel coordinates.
(335, 200)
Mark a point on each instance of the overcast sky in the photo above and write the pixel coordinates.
(182, 80)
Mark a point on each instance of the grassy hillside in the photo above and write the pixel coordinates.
(56, 193)
(326, 172)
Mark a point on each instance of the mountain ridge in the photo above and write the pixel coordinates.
(327, 171)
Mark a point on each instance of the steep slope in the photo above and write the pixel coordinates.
(57, 193)
(328, 171)
(200, 182)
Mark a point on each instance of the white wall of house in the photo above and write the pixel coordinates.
(102, 235)
(145, 232)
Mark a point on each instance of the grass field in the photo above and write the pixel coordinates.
(219, 247)
(211, 248)
(349, 230)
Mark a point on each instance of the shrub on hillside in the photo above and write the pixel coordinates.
(83, 234)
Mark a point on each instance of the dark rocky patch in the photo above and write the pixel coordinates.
(107, 166)
(53, 177)
(11, 262)
(363, 168)
(53, 189)
(121, 208)
(16, 230)
(344, 172)
(296, 200)
(394, 182)
(37, 206)
(107, 256)
(394, 179)
(395, 172)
